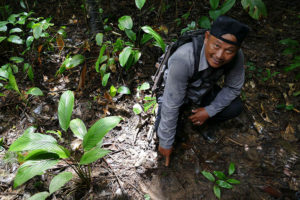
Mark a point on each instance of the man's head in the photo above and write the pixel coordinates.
(223, 41)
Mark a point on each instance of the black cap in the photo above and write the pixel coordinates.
(224, 25)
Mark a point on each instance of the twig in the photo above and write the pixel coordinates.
(118, 179)
(235, 142)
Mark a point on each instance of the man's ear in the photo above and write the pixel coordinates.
(207, 34)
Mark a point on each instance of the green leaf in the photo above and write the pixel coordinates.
(3, 28)
(125, 22)
(156, 36)
(289, 42)
(27, 67)
(29, 41)
(99, 39)
(208, 175)
(15, 39)
(145, 86)
(149, 98)
(112, 91)
(13, 83)
(65, 108)
(292, 67)
(12, 18)
(105, 79)
(223, 184)
(75, 61)
(78, 128)
(31, 168)
(137, 108)
(103, 70)
(233, 181)
(98, 131)
(37, 30)
(214, 4)
(59, 181)
(204, 22)
(220, 175)
(296, 93)
(16, 59)
(231, 168)
(39, 196)
(146, 37)
(217, 191)
(140, 3)
(40, 155)
(15, 30)
(148, 105)
(255, 8)
(4, 73)
(35, 91)
(93, 155)
(123, 90)
(100, 58)
(130, 34)
(38, 141)
(2, 38)
(124, 55)
(214, 14)
(226, 6)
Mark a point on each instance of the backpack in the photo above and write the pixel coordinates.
(197, 37)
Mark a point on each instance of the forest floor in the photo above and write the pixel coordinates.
(263, 142)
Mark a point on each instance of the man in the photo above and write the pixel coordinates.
(220, 54)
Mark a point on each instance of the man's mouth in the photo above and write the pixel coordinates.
(217, 61)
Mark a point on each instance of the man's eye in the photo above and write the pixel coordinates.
(217, 46)
(229, 51)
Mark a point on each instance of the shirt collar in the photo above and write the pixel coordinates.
(203, 62)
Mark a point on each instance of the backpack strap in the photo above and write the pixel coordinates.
(197, 47)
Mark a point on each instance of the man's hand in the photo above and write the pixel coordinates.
(199, 117)
(166, 153)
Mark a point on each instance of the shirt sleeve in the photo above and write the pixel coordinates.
(174, 94)
(233, 84)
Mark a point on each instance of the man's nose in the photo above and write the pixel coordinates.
(219, 54)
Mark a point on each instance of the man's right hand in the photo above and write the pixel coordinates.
(166, 153)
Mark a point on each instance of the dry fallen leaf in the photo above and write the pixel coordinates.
(60, 42)
(264, 114)
(289, 134)
(108, 97)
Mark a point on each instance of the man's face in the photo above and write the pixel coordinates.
(218, 52)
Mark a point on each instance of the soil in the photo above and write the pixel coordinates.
(263, 142)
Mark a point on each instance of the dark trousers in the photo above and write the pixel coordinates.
(229, 112)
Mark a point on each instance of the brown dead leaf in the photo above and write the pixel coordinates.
(40, 48)
(106, 111)
(264, 114)
(82, 78)
(163, 29)
(86, 46)
(60, 42)
(259, 127)
(108, 97)
(113, 68)
(289, 134)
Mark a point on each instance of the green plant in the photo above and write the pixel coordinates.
(221, 180)
(42, 151)
(293, 49)
(149, 101)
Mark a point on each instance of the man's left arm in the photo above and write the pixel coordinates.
(233, 84)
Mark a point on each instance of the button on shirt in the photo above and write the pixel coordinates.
(181, 69)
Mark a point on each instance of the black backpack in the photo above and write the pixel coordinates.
(197, 37)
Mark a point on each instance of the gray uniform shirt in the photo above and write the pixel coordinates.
(181, 68)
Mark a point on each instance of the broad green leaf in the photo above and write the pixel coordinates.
(59, 181)
(13, 83)
(112, 91)
(15, 39)
(65, 108)
(98, 131)
(204, 22)
(31, 168)
(34, 141)
(130, 34)
(29, 41)
(22, 4)
(156, 36)
(105, 79)
(145, 86)
(39, 196)
(231, 168)
(217, 191)
(140, 3)
(1, 94)
(136, 56)
(75, 61)
(146, 37)
(137, 108)
(208, 175)
(149, 98)
(40, 155)
(27, 68)
(226, 6)
(214, 4)
(100, 58)
(289, 42)
(93, 155)
(12, 18)
(292, 66)
(223, 184)
(220, 175)
(3, 28)
(78, 128)
(255, 8)
(15, 30)
(29, 130)
(99, 39)
(148, 105)
(103, 69)
(125, 22)
(2, 38)
(214, 14)
(123, 90)
(16, 59)
(2, 23)
(14, 68)
(296, 93)
(124, 55)
(35, 91)
(37, 30)
(233, 181)
(4, 73)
